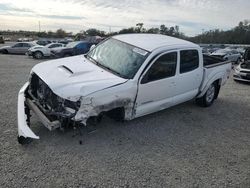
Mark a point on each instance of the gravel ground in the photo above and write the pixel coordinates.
(184, 146)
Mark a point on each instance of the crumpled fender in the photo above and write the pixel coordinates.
(106, 100)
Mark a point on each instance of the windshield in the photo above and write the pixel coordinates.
(120, 58)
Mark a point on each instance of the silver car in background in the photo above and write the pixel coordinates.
(17, 48)
(228, 55)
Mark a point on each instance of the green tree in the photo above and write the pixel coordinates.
(95, 32)
(139, 27)
(61, 33)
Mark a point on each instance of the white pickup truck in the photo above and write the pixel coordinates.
(125, 77)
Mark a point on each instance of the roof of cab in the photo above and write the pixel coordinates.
(150, 42)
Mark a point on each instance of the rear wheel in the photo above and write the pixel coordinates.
(208, 98)
(5, 52)
(38, 55)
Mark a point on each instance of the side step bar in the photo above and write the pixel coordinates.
(51, 125)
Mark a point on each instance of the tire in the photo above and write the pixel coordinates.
(67, 55)
(38, 55)
(238, 61)
(116, 114)
(5, 52)
(208, 98)
(22, 140)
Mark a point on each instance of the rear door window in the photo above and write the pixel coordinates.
(26, 45)
(18, 45)
(189, 60)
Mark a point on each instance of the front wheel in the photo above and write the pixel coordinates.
(38, 55)
(208, 98)
(22, 140)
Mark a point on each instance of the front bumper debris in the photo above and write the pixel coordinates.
(23, 128)
(51, 125)
(245, 77)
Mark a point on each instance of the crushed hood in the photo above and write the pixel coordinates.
(73, 77)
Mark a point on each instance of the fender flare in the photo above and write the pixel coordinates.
(216, 77)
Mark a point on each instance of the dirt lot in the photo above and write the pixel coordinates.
(184, 146)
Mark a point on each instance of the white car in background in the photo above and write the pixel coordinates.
(39, 52)
(228, 55)
(242, 71)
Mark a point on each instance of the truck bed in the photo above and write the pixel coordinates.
(210, 61)
(214, 69)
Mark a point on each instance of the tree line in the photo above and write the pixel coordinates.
(238, 35)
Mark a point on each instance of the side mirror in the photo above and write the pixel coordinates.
(92, 47)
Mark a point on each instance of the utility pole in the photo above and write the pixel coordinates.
(39, 26)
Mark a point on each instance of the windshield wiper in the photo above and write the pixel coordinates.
(93, 60)
(115, 72)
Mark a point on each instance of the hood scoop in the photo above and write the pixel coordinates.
(72, 73)
(63, 68)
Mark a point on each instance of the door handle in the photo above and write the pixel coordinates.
(173, 83)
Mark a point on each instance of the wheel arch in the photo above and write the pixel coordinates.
(6, 51)
(38, 51)
(118, 99)
(216, 80)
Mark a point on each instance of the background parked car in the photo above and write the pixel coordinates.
(43, 42)
(7, 39)
(17, 48)
(24, 39)
(227, 54)
(39, 52)
(65, 41)
(71, 49)
(242, 71)
(1, 40)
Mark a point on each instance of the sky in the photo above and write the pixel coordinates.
(192, 16)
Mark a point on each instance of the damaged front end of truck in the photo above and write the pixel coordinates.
(53, 111)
